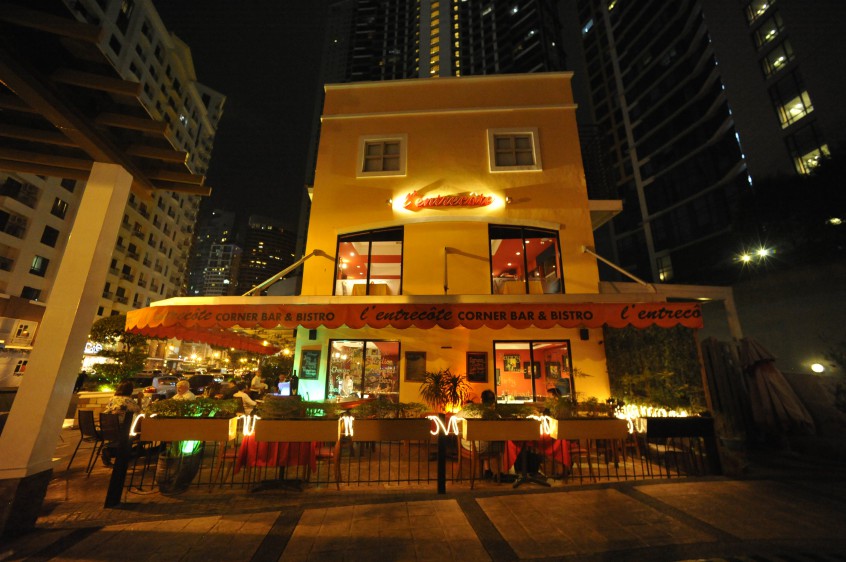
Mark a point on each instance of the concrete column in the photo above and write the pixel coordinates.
(32, 430)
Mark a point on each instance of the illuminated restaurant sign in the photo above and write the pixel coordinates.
(171, 321)
(414, 201)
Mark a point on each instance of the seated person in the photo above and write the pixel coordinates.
(552, 396)
(213, 390)
(123, 401)
(183, 391)
(248, 402)
(228, 390)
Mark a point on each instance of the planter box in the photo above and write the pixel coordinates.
(501, 430)
(392, 430)
(601, 428)
(293, 431)
(188, 429)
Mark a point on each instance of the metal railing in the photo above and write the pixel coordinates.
(253, 462)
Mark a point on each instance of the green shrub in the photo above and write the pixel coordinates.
(198, 408)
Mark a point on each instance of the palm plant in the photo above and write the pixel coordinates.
(443, 390)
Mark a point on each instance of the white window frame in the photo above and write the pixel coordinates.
(532, 132)
(363, 140)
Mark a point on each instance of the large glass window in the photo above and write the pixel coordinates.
(363, 369)
(524, 260)
(525, 370)
(757, 8)
(769, 30)
(791, 100)
(369, 263)
(807, 148)
(777, 58)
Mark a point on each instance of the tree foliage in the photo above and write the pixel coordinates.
(127, 351)
(276, 365)
(655, 366)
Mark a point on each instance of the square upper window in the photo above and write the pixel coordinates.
(381, 155)
(39, 266)
(514, 150)
(50, 236)
(60, 208)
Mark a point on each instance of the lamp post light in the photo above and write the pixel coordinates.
(759, 255)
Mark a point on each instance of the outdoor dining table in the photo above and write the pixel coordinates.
(556, 449)
(276, 454)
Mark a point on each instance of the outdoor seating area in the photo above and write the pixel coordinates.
(342, 455)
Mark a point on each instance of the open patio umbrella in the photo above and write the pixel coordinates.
(775, 406)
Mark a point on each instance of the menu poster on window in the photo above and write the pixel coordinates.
(415, 366)
(477, 366)
(309, 364)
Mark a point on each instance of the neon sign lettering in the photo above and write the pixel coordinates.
(414, 202)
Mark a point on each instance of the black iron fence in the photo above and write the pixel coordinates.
(324, 454)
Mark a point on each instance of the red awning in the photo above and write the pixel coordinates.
(190, 322)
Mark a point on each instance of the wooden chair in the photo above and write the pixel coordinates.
(88, 433)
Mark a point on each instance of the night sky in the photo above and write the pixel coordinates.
(264, 56)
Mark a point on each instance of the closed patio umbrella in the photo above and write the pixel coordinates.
(775, 406)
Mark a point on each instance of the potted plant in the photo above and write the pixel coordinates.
(292, 407)
(184, 425)
(443, 390)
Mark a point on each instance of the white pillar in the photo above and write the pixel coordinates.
(32, 430)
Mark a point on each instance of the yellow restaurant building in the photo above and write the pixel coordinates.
(455, 219)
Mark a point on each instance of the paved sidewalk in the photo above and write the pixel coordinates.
(792, 510)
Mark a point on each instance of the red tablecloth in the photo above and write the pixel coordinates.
(253, 453)
(553, 449)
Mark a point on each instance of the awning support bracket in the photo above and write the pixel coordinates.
(261, 286)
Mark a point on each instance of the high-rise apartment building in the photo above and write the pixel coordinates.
(373, 40)
(150, 72)
(697, 100)
(152, 250)
(222, 270)
(268, 249)
(215, 257)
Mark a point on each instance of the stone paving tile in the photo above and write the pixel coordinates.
(751, 510)
(233, 538)
(418, 531)
(581, 523)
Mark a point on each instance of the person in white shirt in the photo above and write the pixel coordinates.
(249, 403)
(183, 391)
